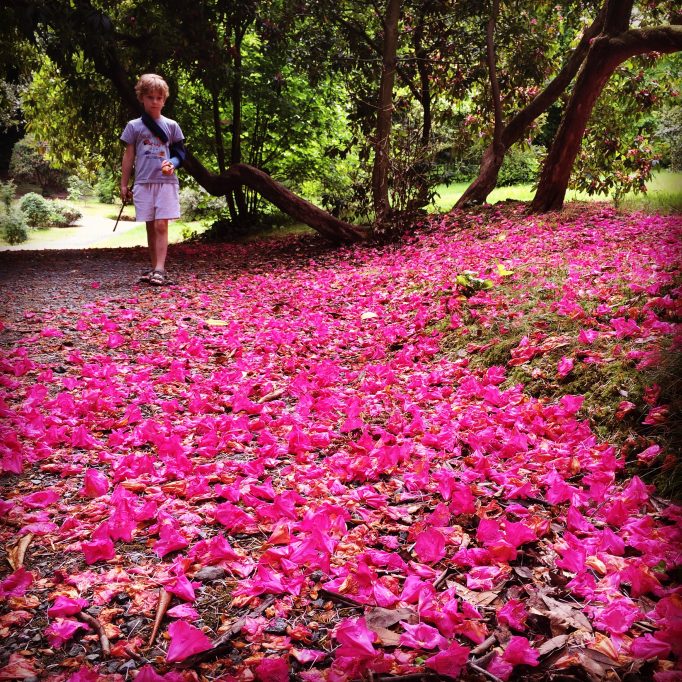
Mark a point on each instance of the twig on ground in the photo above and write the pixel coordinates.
(273, 395)
(484, 646)
(164, 603)
(340, 598)
(440, 580)
(484, 672)
(135, 656)
(409, 677)
(99, 629)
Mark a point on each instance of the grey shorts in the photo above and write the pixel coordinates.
(156, 201)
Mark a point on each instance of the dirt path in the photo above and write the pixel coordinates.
(87, 233)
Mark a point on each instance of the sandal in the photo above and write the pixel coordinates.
(145, 275)
(157, 278)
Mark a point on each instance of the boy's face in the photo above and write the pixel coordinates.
(153, 103)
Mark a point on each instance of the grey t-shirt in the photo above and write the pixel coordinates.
(150, 151)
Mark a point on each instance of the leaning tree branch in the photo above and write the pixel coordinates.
(606, 54)
(241, 174)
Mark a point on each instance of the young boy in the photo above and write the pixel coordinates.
(155, 193)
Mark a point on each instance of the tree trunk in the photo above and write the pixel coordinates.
(385, 112)
(492, 159)
(492, 72)
(217, 129)
(239, 200)
(606, 53)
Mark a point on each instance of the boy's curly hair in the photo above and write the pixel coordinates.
(150, 83)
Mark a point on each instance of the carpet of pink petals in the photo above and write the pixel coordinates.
(291, 416)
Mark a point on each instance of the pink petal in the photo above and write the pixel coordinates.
(355, 638)
(41, 499)
(62, 630)
(421, 636)
(272, 670)
(520, 652)
(450, 661)
(16, 584)
(565, 366)
(185, 641)
(513, 614)
(95, 484)
(183, 611)
(98, 550)
(649, 647)
(180, 586)
(66, 606)
(430, 546)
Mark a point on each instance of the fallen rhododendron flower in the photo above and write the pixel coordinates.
(308, 655)
(450, 661)
(19, 668)
(184, 611)
(355, 637)
(565, 367)
(185, 640)
(95, 484)
(513, 614)
(272, 670)
(16, 584)
(40, 500)
(519, 652)
(430, 546)
(648, 646)
(422, 636)
(62, 630)
(66, 606)
(101, 549)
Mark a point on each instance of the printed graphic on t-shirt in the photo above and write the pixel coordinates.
(155, 147)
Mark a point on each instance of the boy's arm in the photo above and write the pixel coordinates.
(127, 171)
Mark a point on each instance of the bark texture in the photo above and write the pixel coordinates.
(385, 112)
(606, 53)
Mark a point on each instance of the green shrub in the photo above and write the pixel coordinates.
(106, 188)
(64, 215)
(8, 191)
(669, 137)
(36, 209)
(29, 163)
(520, 166)
(13, 226)
(196, 204)
(78, 189)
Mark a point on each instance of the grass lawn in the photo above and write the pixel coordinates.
(665, 194)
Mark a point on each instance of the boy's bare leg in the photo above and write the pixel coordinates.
(151, 242)
(160, 241)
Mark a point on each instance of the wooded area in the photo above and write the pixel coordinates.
(361, 104)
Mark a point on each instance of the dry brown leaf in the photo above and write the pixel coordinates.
(15, 555)
(475, 598)
(387, 637)
(379, 617)
(552, 645)
(164, 603)
(563, 616)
